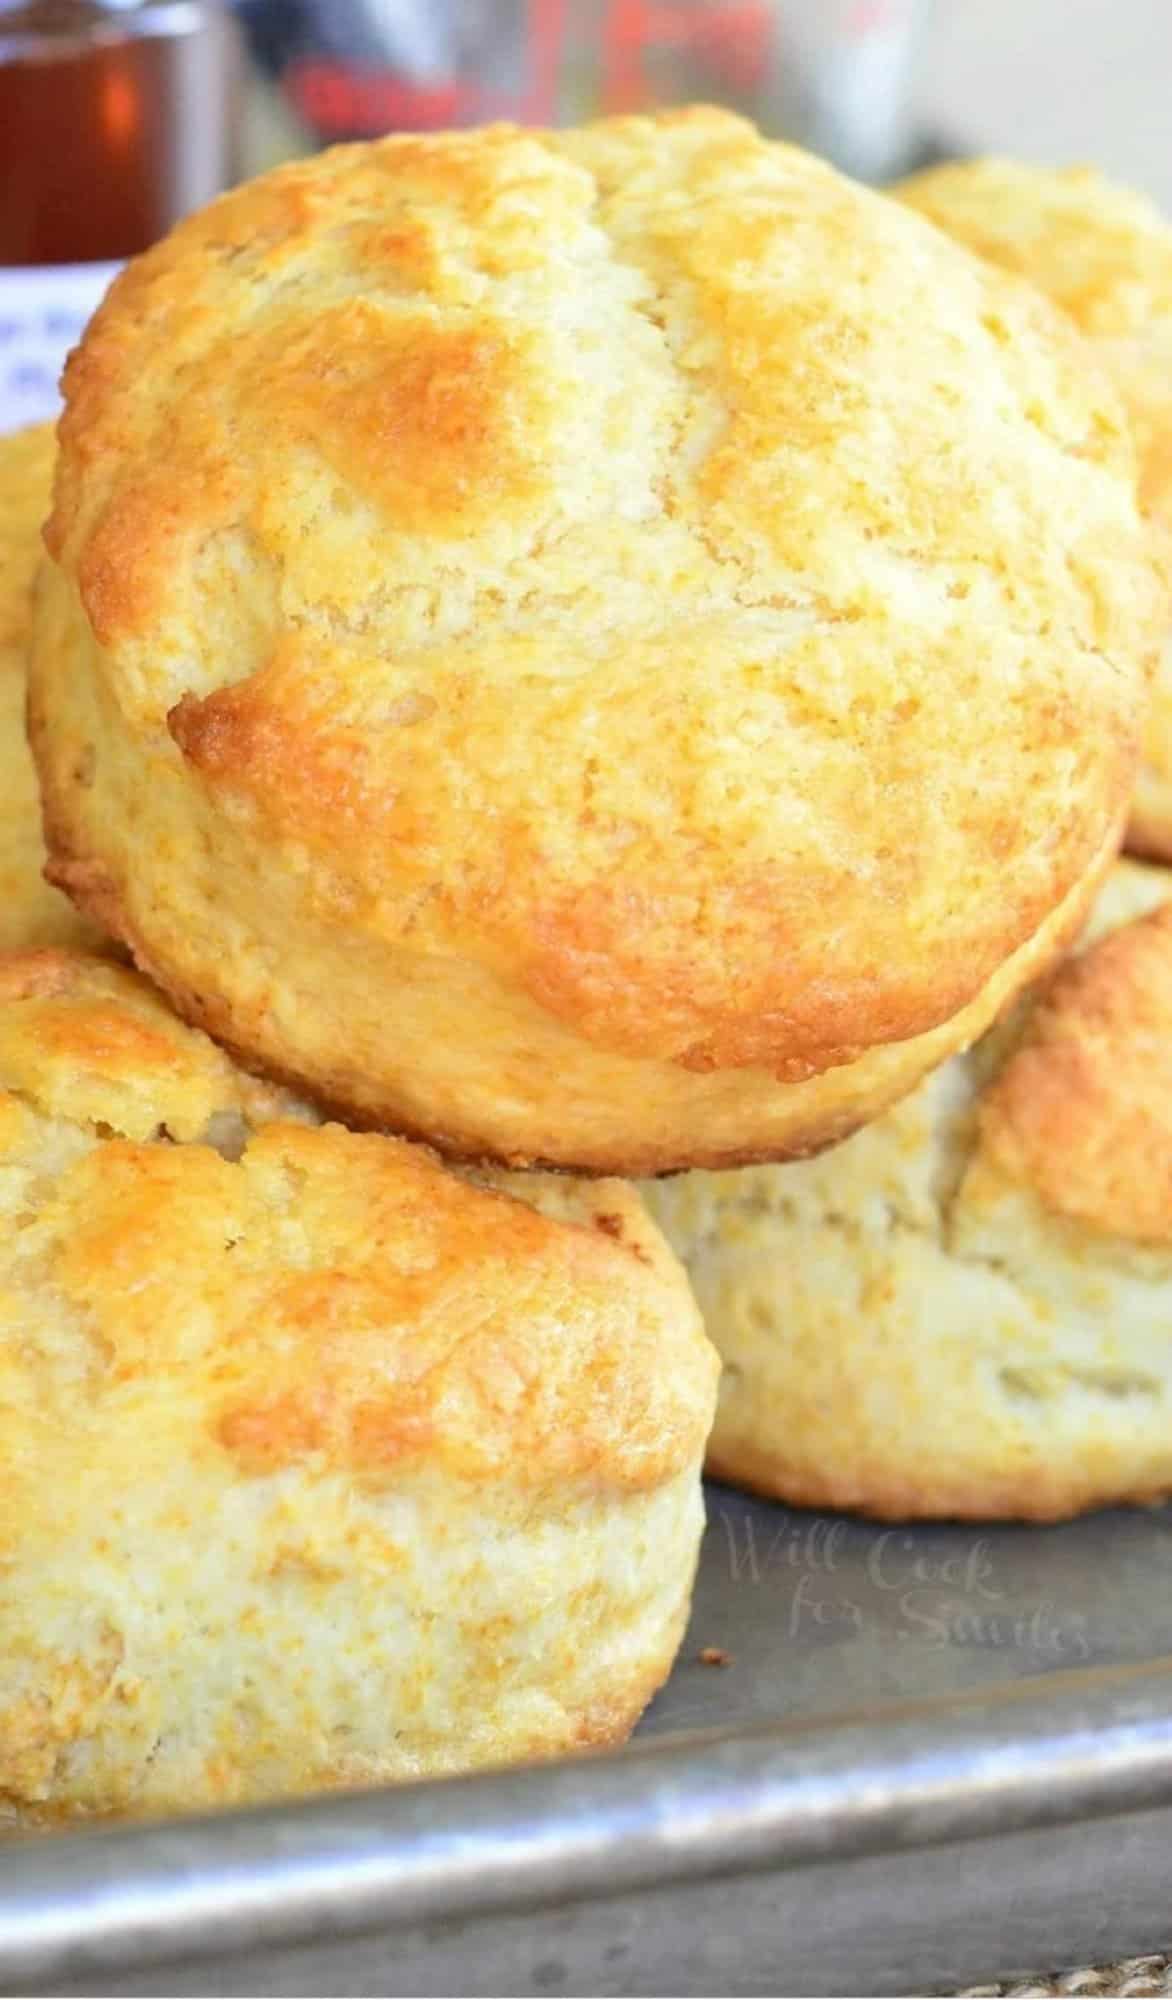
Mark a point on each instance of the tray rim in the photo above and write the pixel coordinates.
(1056, 1748)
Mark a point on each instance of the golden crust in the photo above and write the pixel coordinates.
(965, 1310)
(31, 913)
(788, 1118)
(430, 578)
(1104, 254)
(1082, 1111)
(318, 1463)
(90, 1043)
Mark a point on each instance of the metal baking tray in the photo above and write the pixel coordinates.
(935, 1755)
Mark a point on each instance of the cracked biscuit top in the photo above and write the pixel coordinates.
(315, 1289)
(319, 1463)
(632, 572)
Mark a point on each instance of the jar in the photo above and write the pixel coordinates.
(116, 118)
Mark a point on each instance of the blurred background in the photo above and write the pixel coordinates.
(117, 116)
(1054, 80)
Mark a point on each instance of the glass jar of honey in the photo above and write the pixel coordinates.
(116, 117)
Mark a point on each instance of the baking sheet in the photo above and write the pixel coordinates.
(985, 1710)
(822, 1614)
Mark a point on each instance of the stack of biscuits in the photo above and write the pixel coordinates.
(558, 659)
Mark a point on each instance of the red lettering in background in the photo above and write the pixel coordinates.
(733, 41)
(729, 42)
(338, 100)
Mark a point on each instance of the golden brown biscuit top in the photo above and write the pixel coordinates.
(309, 1293)
(1082, 1110)
(675, 557)
(1101, 252)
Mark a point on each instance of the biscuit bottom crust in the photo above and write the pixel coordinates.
(557, 1101)
(307, 1670)
(419, 1042)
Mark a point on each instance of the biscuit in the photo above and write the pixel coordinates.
(31, 913)
(967, 1309)
(320, 1465)
(612, 648)
(1104, 254)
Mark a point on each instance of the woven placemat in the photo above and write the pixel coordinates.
(1134, 1975)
